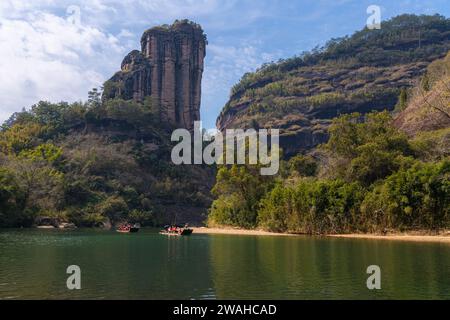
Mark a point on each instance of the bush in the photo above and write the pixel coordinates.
(312, 207)
(115, 208)
(238, 190)
(305, 166)
(142, 217)
(415, 198)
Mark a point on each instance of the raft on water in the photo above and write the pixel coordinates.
(176, 231)
(127, 228)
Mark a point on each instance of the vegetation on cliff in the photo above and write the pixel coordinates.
(109, 159)
(426, 106)
(362, 73)
(168, 69)
(373, 171)
(95, 161)
(369, 177)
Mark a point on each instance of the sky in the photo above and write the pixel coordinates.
(58, 50)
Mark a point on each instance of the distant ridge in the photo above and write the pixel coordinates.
(359, 73)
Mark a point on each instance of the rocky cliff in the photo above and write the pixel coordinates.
(168, 69)
(428, 107)
(359, 73)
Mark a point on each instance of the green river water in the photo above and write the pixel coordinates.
(147, 265)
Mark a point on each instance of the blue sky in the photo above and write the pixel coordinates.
(57, 50)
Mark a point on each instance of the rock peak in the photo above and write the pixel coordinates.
(168, 69)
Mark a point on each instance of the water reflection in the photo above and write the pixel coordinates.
(314, 268)
(151, 266)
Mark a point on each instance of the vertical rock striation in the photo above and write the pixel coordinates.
(168, 69)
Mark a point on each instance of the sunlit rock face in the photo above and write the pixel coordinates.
(168, 69)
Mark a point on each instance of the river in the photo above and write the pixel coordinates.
(147, 265)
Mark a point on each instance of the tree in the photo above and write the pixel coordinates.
(412, 198)
(20, 137)
(372, 149)
(425, 83)
(305, 166)
(238, 190)
(94, 98)
(402, 100)
(11, 199)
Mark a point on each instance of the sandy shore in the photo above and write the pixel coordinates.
(398, 237)
(444, 238)
(239, 232)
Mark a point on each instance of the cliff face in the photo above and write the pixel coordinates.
(428, 106)
(361, 73)
(168, 69)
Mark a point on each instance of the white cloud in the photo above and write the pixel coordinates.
(48, 52)
(47, 57)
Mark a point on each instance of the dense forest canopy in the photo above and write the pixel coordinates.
(369, 177)
(93, 163)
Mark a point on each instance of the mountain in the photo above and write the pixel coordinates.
(363, 72)
(108, 160)
(428, 108)
(168, 70)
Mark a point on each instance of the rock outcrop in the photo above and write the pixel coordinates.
(168, 69)
(428, 109)
(362, 73)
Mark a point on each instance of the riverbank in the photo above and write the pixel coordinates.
(243, 232)
(416, 237)
(398, 237)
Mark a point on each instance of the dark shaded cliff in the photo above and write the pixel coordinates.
(168, 69)
(359, 73)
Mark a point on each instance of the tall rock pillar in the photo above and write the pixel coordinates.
(169, 68)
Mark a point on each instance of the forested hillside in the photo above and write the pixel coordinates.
(369, 177)
(426, 107)
(365, 137)
(95, 163)
(345, 172)
(363, 72)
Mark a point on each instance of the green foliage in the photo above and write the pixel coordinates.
(11, 199)
(372, 147)
(45, 152)
(418, 197)
(371, 70)
(368, 178)
(313, 207)
(94, 98)
(238, 190)
(143, 217)
(402, 100)
(305, 166)
(20, 137)
(128, 111)
(91, 162)
(115, 208)
(425, 83)
(432, 145)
